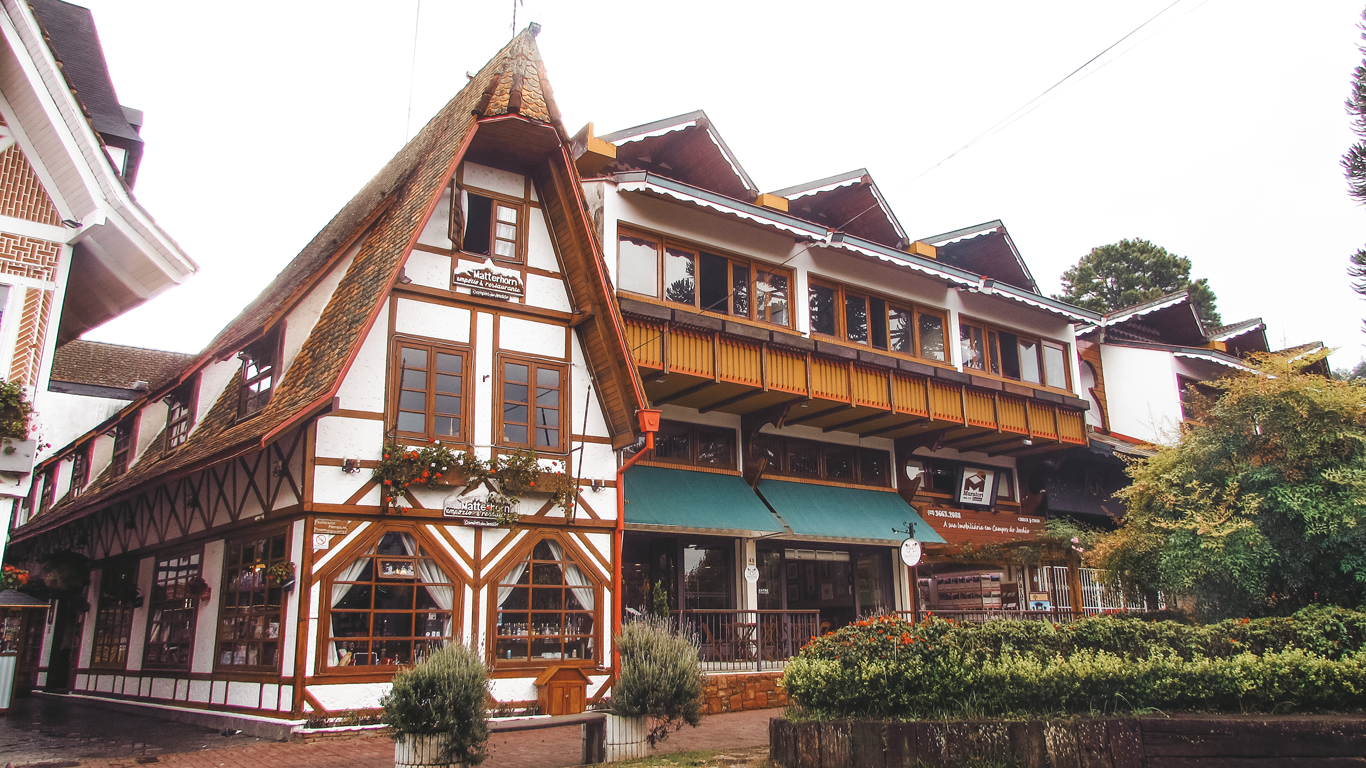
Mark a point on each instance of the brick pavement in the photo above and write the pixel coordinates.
(548, 748)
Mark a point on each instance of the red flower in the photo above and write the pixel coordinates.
(386, 482)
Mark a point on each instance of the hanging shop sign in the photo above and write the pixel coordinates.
(487, 281)
(474, 508)
(963, 526)
(910, 552)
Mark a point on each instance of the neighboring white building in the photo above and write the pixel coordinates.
(76, 249)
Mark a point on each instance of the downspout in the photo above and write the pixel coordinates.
(649, 424)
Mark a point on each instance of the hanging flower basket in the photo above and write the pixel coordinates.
(198, 588)
(281, 575)
(13, 577)
(508, 477)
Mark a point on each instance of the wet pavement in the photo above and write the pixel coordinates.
(39, 729)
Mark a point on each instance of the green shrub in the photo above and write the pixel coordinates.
(446, 693)
(886, 667)
(661, 677)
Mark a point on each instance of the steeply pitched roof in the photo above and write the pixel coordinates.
(385, 217)
(850, 202)
(71, 30)
(114, 365)
(687, 148)
(986, 249)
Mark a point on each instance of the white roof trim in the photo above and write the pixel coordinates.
(1170, 302)
(656, 132)
(645, 186)
(1211, 358)
(826, 188)
(906, 263)
(1237, 332)
(732, 162)
(968, 236)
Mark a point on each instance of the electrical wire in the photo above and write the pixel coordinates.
(412, 75)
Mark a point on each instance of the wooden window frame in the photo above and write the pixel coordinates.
(191, 604)
(992, 365)
(753, 268)
(572, 553)
(348, 555)
(845, 294)
(49, 496)
(113, 619)
(782, 467)
(232, 613)
(123, 448)
(180, 409)
(533, 364)
(80, 470)
(263, 356)
(518, 204)
(396, 369)
(955, 468)
(694, 443)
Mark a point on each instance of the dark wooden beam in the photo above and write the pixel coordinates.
(932, 440)
(987, 448)
(1039, 446)
(860, 420)
(743, 396)
(682, 393)
(893, 428)
(804, 418)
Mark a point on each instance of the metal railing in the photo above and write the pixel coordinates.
(1058, 615)
(742, 640)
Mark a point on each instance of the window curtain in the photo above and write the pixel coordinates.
(580, 585)
(443, 596)
(512, 578)
(339, 591)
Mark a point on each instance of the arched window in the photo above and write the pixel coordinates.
(390, 605)
(547, 609)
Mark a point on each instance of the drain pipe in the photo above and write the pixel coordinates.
(649, 424)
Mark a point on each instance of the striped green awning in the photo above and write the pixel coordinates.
(834, 512)
(696, 500)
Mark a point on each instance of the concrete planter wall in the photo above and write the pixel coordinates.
(20, 460)
(1189, 741)
(627, 738)
(413, 750)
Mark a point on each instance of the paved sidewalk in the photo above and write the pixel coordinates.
(548, 748)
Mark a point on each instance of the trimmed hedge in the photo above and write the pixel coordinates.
(887, 667)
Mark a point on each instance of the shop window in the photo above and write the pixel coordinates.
(179, 415)
(114, 615)
(258, 375)
(546, 609)
(1005, 485)
(429, 382)
(123, 448)
(492, 227)
(679, 442)
(789, 457)
(392, 605)
(170, 631)
(533, 405)
(706, 577)
(1013, 356)
(869, 320)
(682, 274)
(80, 470)
(940, 477)
(250, 614)
(49, 481)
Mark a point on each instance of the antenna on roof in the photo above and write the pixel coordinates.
(515, 3)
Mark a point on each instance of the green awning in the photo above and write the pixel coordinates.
(844, 513)
(683, 499)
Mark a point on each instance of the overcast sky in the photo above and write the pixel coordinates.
(1215, 131)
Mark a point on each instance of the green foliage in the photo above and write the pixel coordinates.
(400, 468)
(508, 477)
(15, 411)
(659, 600)
(1261, 508)
(1354, 162)
(444, 694)
(889, 668)
(1131, 272)
(661, 677)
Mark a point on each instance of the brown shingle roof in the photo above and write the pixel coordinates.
(114, 365)
(396, 203)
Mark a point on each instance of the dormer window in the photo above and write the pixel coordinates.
(123, 448)
(179, 415)
(80, 470)
(258, 375)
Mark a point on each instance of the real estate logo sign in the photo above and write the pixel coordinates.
(961, 526)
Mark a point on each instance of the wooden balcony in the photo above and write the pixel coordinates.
(743, 369)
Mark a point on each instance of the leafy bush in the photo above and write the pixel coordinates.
(447, 694)
(15, 412)
(661, 677)
(886, 667)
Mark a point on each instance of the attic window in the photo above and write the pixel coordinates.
(492, 227)
(123, 444)
(179, 415)
(258, 375)
(80, 470)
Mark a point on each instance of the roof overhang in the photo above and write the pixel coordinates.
(693, 120)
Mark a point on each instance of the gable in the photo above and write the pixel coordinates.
(21, 192)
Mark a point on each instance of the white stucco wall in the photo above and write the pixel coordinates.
(1141, 392)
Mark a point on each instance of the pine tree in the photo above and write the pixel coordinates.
(1131, 272)
(1354, 162)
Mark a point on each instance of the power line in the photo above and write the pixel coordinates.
(1027, 107)
(412, 75)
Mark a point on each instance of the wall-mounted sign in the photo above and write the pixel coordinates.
(976, 486)
(964, 526)
(489, 282)
(751, 574)
(910, 552)
(473, 508)
(331, 526)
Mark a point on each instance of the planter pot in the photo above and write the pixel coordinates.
(419, 750)
(455, 477)
(17, 455)
(627, 738)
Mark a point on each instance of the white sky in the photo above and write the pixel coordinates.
(1217, 137)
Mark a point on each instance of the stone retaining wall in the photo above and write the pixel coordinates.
(741, 692)
(1192, 741)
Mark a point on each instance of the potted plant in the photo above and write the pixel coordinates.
(16, 449)
(437, 710)
(13, 577)
(198, 588)
(658, 690)
(281, 575)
